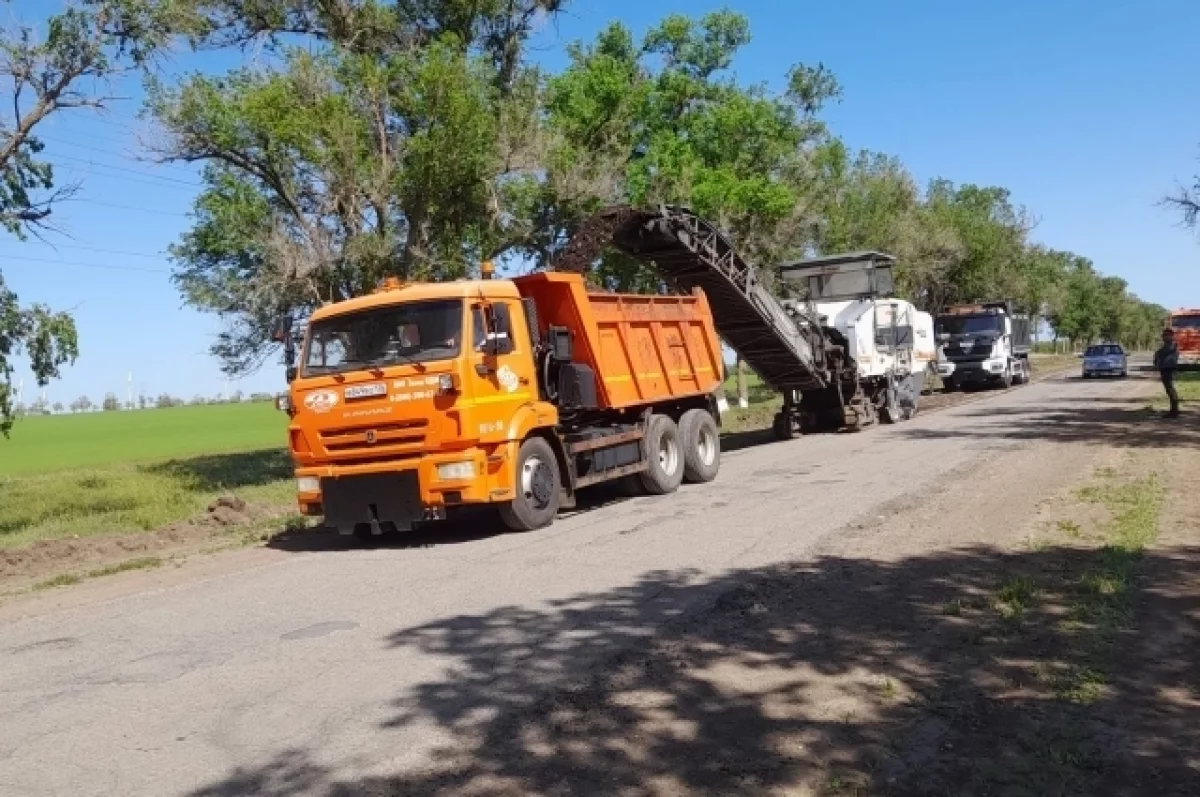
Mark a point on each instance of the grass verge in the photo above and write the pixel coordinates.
(128, 496)
(1093, 603)
(69, 579)
(1187, 383)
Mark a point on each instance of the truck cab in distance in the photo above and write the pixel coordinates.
(983, 344)
(1186, 325)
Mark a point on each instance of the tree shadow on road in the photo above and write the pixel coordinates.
(1133, 425)
(967, 672)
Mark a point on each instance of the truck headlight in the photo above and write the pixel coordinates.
(308, 484)
(456, 471)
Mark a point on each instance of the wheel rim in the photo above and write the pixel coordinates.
(668, 454)
(537, 482)
(706, 446)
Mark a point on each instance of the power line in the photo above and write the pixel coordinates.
(126, 207)
(190, 183)
(153, 255)
(125, 178)
(104, 151)
(103, 266)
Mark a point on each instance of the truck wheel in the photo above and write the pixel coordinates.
(890, 411)
(538, 488)
(701, 446)
(948, 385)
(782, 427)
(663, 456)
(1006, 381)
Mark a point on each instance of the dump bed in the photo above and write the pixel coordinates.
(643, 349)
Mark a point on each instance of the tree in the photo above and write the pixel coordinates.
(58, 407)
(47, 338)
(111, 403)
(387, 147)
(663, 121)
(166, 400)
(82, 47)
(39, 406)
(142, 401)
(81, 404)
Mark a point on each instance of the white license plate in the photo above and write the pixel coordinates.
(366, 391)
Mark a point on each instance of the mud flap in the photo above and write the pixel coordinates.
(372, 499)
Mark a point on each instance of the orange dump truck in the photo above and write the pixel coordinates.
(1186, 324)
(421, 398)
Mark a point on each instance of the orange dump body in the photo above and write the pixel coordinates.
(643, 349)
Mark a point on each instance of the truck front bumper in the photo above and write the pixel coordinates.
(402, 491)
(972, 372)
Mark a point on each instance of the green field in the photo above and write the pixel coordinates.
(46, 443)
(106, 472)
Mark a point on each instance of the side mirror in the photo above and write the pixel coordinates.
(283, 334)
(290, 373)
(499, 330)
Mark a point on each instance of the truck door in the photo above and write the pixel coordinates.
(499, 383)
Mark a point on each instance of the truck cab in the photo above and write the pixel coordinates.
(982, 344)
(414, 390)
(1186, 325)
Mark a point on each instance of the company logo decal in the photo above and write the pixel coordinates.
(321, 400)
(508, 380)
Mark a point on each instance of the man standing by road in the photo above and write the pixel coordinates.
(1166, 360)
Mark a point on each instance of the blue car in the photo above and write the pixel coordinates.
(1106, 359)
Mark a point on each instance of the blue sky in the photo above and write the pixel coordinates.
(1085, 110)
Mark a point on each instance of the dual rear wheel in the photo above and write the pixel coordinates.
(689, 450)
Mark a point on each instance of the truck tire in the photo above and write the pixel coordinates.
(701, 446)
(663, 455)
(1006, 381)
(949, 385)
(890, 411)
(538, 488)
(783, 427)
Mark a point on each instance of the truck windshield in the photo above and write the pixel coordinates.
(1102, 351)
(402, 333)
(1185, 322)
(968, 325)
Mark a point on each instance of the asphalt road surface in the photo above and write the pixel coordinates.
(198, 686)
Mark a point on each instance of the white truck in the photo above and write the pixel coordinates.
(983, 344)
(890, 341)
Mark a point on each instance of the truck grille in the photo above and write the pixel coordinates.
(376, 438)
(980, 351)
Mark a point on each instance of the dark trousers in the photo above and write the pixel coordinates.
(1168, 380)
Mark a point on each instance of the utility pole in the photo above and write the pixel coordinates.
(129, 391)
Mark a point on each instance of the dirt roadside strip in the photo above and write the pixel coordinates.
(1037, 638)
